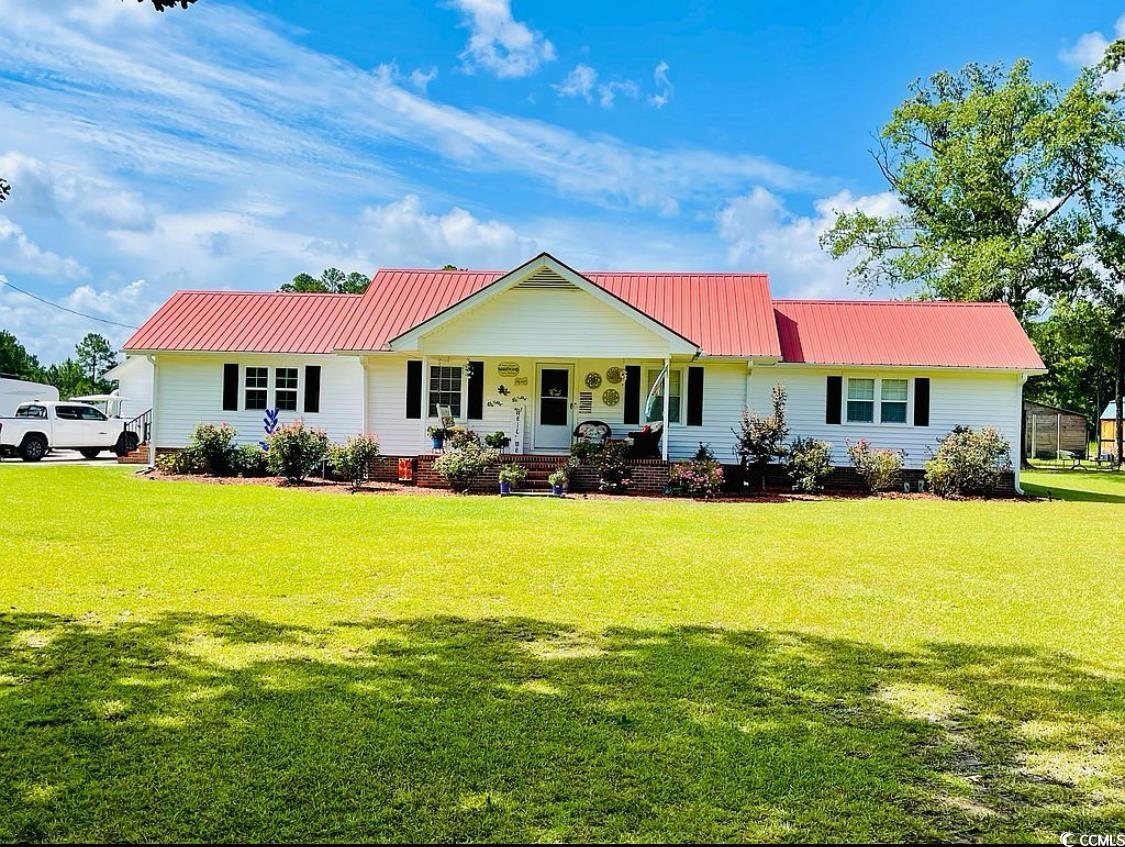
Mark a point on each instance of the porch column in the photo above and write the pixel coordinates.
(152, 420)
(667, 395)
(425, 404)
(366, 399)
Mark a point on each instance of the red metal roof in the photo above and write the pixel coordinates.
(246, 322)
(921, 333)
(724, 314)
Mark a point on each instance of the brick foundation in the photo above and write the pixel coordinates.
(649, 475)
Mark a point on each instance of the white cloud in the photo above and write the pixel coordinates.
(1089, 48)
(582, 82)
(66, 192)
(404, 233)
(578, 83)
(763, 235)
(500, 44)
(663, 86)
(421, 79)
(20, 253)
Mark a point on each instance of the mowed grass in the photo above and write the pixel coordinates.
(185, 661)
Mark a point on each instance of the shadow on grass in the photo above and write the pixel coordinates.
(234, 728)
(1081, 486)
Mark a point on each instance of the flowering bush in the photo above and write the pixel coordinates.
(880, 470)
(702, 476)
(214, 447)
(295, 451)
(968, 462)
(513, 474)
(184, 461)
(461, 465)
(352, 459)
(611, 458)
(249, 460)
(761, 438)
(810, 462)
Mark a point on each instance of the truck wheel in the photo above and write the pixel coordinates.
(90, 452)
(34, 448)
(127, 443)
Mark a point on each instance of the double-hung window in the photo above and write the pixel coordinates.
(861, 401)
(445, 389)
(892, 400)
(285, 389)
(882, 400)
(654, 411)
(257, 387)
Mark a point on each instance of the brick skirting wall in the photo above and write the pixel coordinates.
(649, 475)
(846, 479)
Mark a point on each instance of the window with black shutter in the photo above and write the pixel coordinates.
(695, 397)
(312, 388)
(474, 404)
(632, 394)
(922, 401)
(414, 389)
(230, 388)
(833, 399)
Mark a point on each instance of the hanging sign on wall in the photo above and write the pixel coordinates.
(508, 369)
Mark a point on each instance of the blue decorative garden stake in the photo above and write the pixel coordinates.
(270, 425)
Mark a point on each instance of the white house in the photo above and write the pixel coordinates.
(539, 349)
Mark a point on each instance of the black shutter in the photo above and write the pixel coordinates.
(475, 405)
(312, 388)
(230, 388)
(695, 396)
(632, 394)
(414, 389)
(922, 401)
(833, 399)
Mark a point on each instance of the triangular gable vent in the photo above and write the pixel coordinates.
(547, 278)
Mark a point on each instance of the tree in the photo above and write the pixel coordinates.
(15, 360)
(68, 378)
(95, 356)
(331, 281)
(990, 168)
(761, 438)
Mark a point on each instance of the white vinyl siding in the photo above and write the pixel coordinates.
(966, 398)
(190, 392)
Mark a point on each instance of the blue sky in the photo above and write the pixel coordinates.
(239, 142)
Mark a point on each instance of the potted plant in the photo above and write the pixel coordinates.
(437, 436)
(558, 479)
(511, 475)
(497, 440)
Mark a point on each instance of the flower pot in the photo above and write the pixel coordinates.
(556, 490)
(438, 441)
(505, 488)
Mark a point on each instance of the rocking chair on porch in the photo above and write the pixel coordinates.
(595, 432)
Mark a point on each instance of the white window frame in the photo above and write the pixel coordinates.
(247, 388)
(877, 401)
(464, 390)
(650, 375)
(296, 389)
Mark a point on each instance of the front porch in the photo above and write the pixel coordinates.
(649, 476)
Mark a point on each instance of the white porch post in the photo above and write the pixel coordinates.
(366, 397)
(425, 416)
(152, 415)
(667, 395)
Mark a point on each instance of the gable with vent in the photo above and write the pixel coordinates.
(543, 308)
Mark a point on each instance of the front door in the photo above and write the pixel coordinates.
(553, 423)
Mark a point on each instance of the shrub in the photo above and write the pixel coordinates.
(610, 458)
(184, 461)
(513, 474)
(559, 475)
(702, 476)
(296, 451)
(214, 448)
(810, 463)
(249, 460)
(880, 470)
(761, 439)
(461, 465)
(458, 438)
(497, 440)
(352, 459)
(968, 461)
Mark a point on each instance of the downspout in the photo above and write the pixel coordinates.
(366, 389)
(153, 422)
(1017, 464)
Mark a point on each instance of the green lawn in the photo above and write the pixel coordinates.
(206, 662)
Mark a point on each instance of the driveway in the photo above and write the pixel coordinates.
(65, 457)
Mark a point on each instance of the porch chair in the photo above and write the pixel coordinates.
(596, 432)
(646, 442)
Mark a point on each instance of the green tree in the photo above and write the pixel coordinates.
(69, 379)
(331, 281)
(95, 356)
(990, 168)
(15, 360)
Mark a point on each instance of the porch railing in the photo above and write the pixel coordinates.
(141, 426)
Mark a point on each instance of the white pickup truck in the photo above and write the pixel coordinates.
(40, 426)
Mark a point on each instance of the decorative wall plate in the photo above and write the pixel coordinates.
(593, 379)
(613, 375)
(508, 369)
(611, 397)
